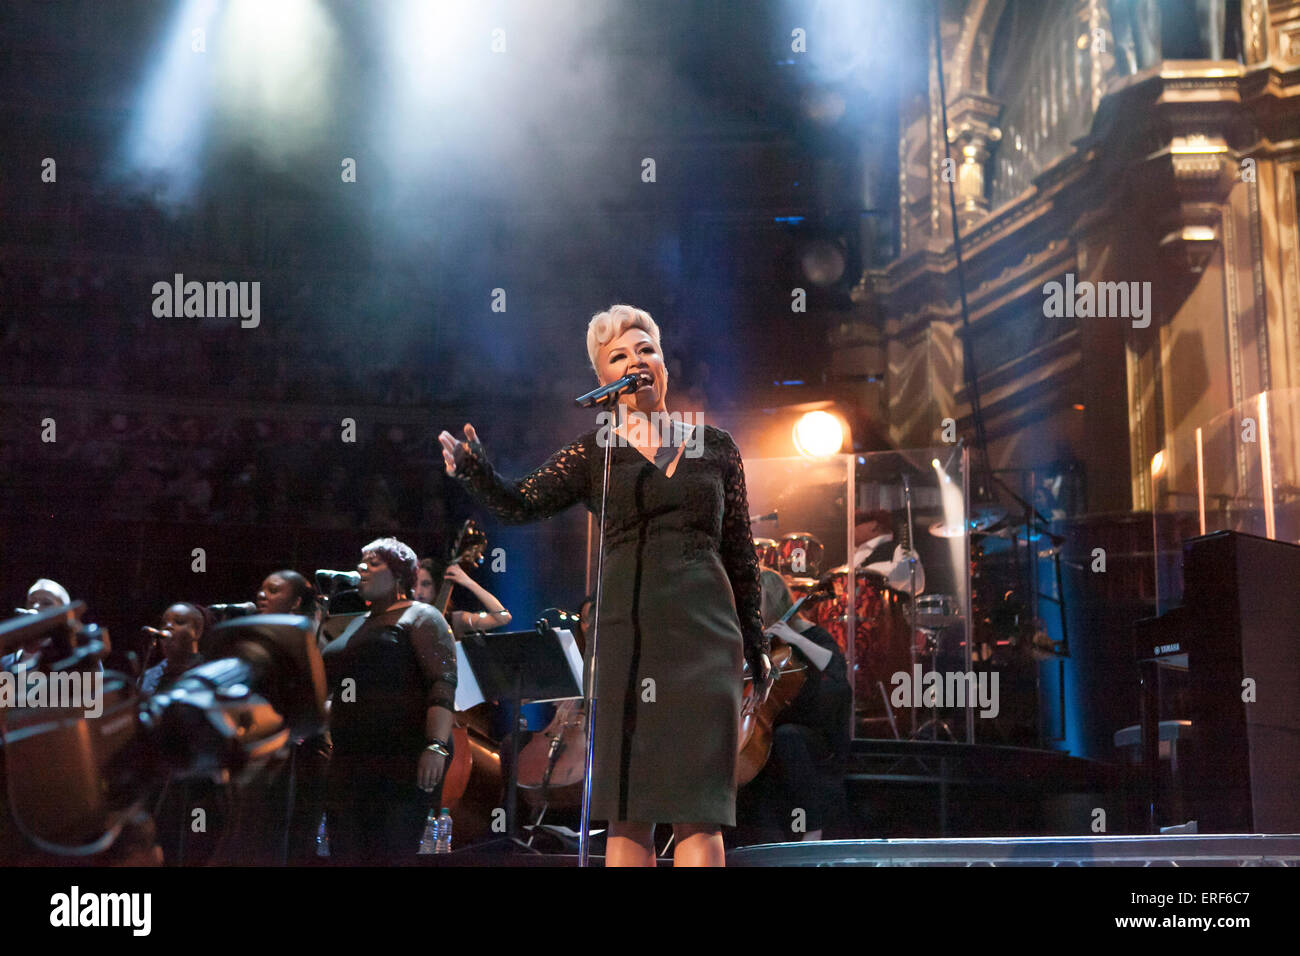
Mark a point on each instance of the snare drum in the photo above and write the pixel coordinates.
(940, 630)
(937, 607)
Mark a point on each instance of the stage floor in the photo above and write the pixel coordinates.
(1212, 850)
(1245, 849)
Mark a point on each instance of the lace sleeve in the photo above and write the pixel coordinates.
(562, 481)
(737, 549)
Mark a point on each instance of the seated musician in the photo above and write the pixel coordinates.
(874, 533)
(810, 739)
(462, 622)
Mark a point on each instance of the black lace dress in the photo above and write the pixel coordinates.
(680, 615)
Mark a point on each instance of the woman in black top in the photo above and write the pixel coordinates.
(680, 599)
(392, 677)
(183, 626)
(288, 592)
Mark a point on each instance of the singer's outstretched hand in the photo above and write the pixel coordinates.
(454, 450)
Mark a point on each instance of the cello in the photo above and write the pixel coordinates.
(474, 785)
(756, 723)
(552, 764)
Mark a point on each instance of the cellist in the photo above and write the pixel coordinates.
(810, 739)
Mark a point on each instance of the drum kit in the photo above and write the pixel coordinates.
(891, 635)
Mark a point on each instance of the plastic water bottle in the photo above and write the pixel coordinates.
(429, 838)
(322, 838)
(443, 842)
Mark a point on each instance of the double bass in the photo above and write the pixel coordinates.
(756, 723)
(474, 785)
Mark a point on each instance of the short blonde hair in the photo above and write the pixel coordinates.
(606, 326)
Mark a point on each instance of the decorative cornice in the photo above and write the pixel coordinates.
(1172, 102)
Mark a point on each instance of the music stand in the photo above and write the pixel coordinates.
(513, 667)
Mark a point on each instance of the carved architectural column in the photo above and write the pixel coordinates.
(1254, 31)
(972, 130)
(1203, 174)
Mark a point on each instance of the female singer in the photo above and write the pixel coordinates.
(183, 626)
(392, 681)
(680, 600)
(288, 592)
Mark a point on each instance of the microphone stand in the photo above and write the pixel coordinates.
(584, 825)
(911, 573)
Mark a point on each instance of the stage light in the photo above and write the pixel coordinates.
(852, 40)
(1158, 464)
(276, 64)
(246, 71)
(168, 126)
(823, 261)
(818, 434)
(425, 40)
(441, 90)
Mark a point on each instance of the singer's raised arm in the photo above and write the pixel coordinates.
(564, 480)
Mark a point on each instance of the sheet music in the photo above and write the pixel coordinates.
(467, 693)
(574, 657)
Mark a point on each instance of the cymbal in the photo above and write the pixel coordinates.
(1022, 532)
(1046, 542)
(980, 520)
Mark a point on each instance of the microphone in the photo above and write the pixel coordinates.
(226, 612)
(627, 383)
(327, 582)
